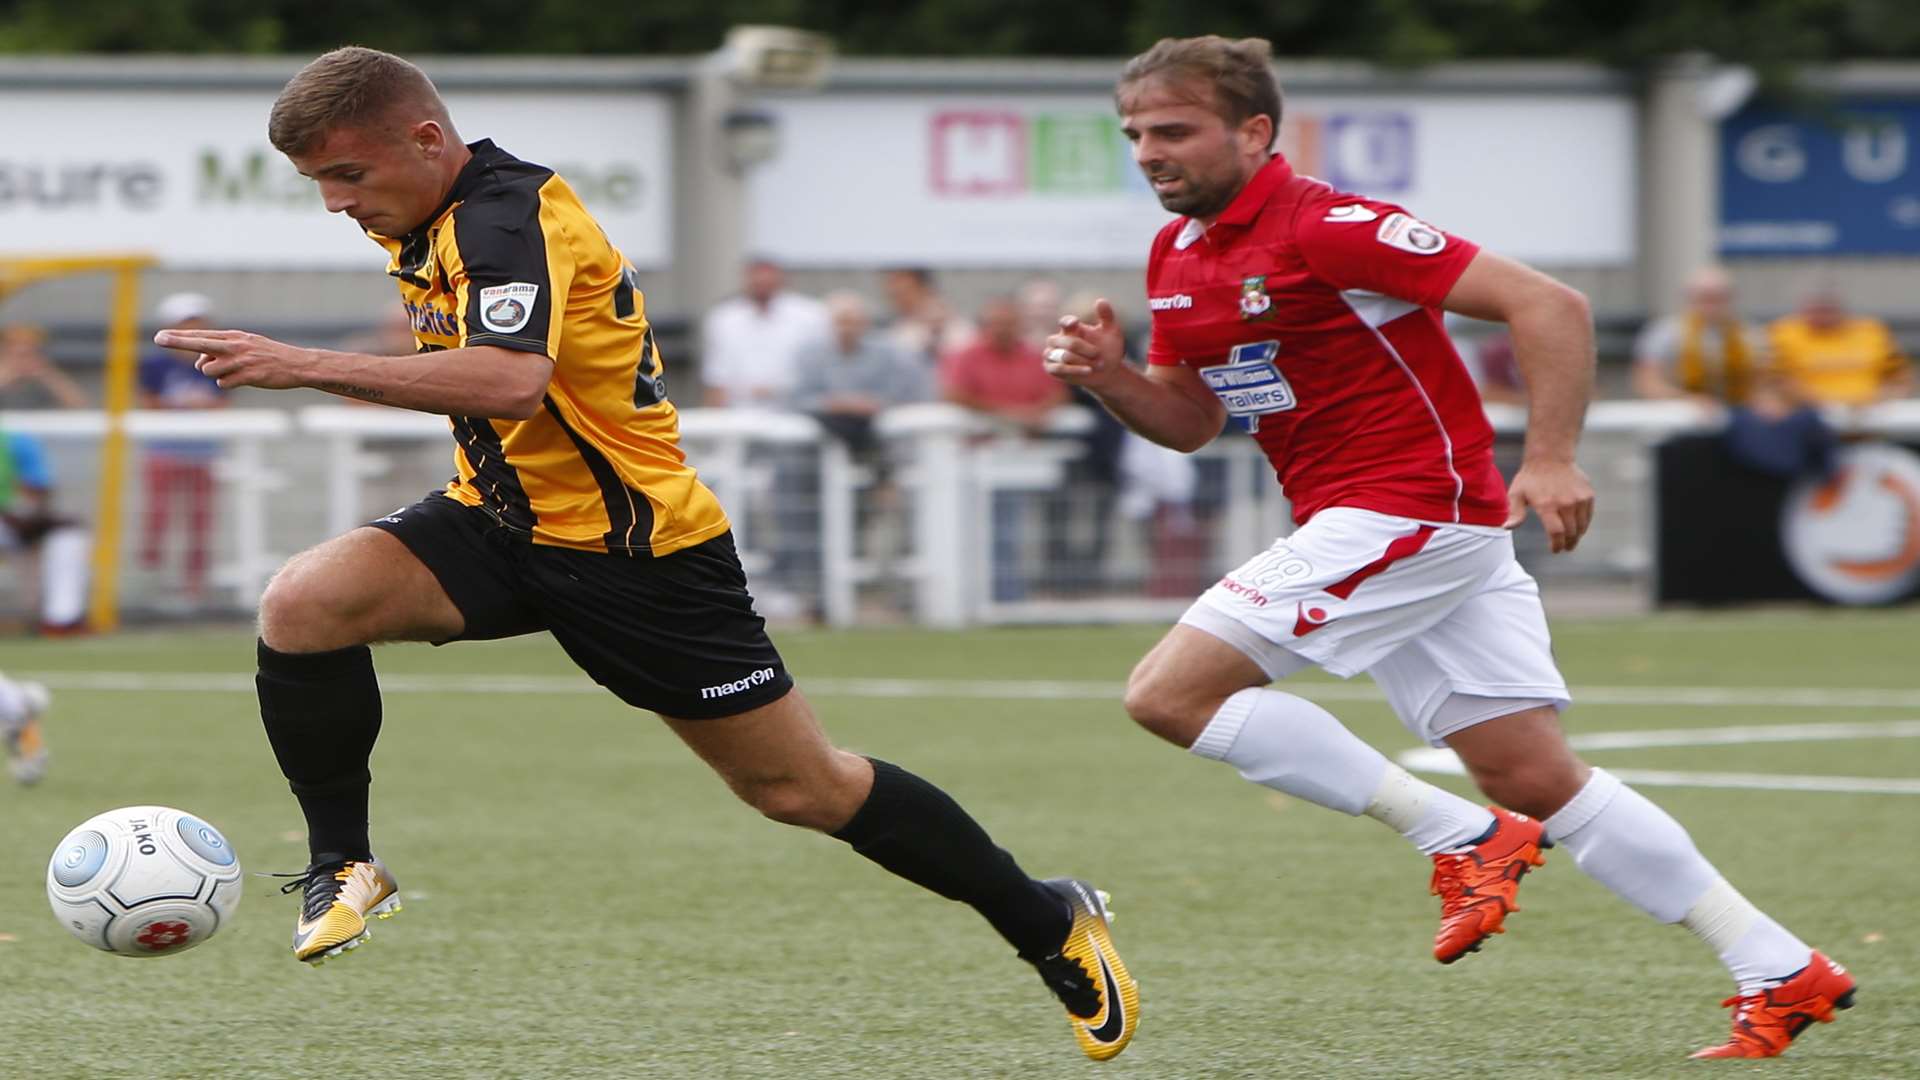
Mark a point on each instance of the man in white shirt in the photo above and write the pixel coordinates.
(750, 344)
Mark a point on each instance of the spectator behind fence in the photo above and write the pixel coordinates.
(750, 344)
(1000, 375)
(55, 547)
(750, 358)
(1703, 352)
(1487, 351)
(28, 379)
(1080, 514)
(844, 383)
(1149, 485)
(180, 471)
(1496, 372)
(923, 326)
(854, 373)
(1041, 305)
(1829, 357)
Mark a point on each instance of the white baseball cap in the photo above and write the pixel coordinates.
(182, 306)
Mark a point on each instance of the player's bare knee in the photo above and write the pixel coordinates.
(1555, 783)
(1537, 788)
(1144, 702)
(281, 605)
(302, 610)
(810, 803)
(1164, 710)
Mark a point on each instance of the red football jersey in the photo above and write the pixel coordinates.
(1314, 315)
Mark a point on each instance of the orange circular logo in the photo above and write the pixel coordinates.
(1855, 537)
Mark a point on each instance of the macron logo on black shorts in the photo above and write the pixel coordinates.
(764, 675)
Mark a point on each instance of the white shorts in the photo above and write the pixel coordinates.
(1437, 614)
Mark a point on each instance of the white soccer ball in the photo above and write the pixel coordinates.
(144, 881)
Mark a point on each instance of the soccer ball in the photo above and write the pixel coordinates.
(144, 881)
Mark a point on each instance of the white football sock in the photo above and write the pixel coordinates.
(1432, 818)
(1290, 744)
(1641, 854)
(63, 576)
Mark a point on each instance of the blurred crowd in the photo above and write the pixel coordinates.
(1777, 390)
(852, 355)
(1704, 350)
(845, 359)
(48, 543)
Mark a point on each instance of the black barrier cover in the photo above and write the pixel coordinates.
(1717, 528)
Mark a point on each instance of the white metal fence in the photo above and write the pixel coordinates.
(947, 520)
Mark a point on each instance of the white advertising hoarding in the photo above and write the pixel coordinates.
(189, 176)
(970, 180)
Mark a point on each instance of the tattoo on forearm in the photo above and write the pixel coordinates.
(364, 393)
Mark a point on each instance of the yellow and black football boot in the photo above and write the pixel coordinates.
(1102, 1000)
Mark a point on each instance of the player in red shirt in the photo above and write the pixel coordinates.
(1310, 318)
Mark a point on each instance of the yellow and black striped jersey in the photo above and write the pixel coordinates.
(513, 260)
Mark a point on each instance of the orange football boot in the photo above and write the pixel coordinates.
(1764, 1023)
(1476, 886)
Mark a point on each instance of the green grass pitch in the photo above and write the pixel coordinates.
(585, 900)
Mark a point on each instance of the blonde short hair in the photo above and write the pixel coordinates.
(350, 87)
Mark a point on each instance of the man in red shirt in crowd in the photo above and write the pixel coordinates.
(999, 372)
(1310, 318)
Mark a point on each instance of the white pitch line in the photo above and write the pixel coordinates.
(1439, 759)
(1421, 759)
(1789, 697)
(1859, 785)
(995, 689)
(1745, 733)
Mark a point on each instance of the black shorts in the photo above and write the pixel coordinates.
(675, 634)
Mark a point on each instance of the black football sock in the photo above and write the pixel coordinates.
(917, 831)
(322, 714)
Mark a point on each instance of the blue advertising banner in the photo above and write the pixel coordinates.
(1839, 183)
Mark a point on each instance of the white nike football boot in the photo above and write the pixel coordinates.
(338, 896)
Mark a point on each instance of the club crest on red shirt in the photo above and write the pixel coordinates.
(1254, 301)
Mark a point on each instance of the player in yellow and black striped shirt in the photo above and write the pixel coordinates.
(511, 259)
(573, 512)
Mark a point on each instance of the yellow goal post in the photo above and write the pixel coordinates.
(123, 328)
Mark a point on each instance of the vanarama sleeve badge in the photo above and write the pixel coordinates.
(505, 309)
(1410, 234)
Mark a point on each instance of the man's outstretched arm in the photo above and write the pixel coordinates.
(479, 380)
(1168, 404)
